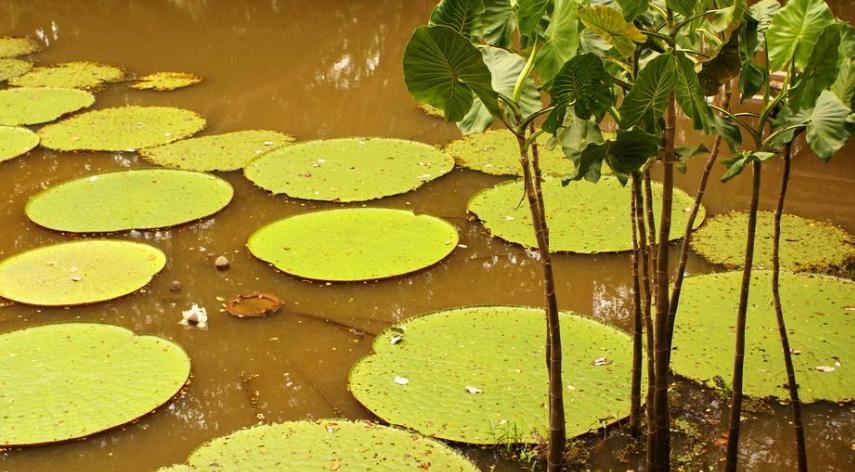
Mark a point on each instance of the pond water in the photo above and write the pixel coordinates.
(322, 70)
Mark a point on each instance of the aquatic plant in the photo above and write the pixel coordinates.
(16, 141)
(166, 81)
(11, 46)
(223, 152)
(31, 106)
(78, 75)
(13, 67)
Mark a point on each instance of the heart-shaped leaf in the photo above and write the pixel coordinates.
(463, 16)
(646, 102)
(794, 31)
(610, 25)
(582, 83)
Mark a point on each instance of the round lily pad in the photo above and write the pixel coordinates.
(67, 381)
(79, 272)
(354, 244)
(496, 152)
(12, 47)
(583, 217)
(226, 152)
(12, 67)
(29, 106)
(818, 311)
(82, 75)
(16, 141)
(348, 170)
(304, 446)
(166, 81)
(805, 244)
(477, 375)
(133, 199)
(121, 129)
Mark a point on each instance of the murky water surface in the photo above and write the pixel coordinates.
(322, 69)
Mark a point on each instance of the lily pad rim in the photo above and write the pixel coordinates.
(31, 133)
(366, 281)
(95, 88)
(122, 231)
(177, 393)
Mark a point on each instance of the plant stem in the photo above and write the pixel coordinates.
(635, 387)
(646, 307)
(741, 317)
(690, 224)
(801, 449)
(557, 431)
(651, 222)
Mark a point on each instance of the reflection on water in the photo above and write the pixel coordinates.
(321, 69)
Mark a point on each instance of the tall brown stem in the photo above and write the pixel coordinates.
(651, 221)
(646, 313)
(801, 448)
(557, 431)
(690, 224)
(741, 318)
(635, 387)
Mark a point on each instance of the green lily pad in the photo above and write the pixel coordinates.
(71, 380)
(818, 311)
(133, 199)
(430, 110)
(495, 152)
(79, 272)
(166, 81)
(30, 106)
(81, 75)
(15, 142)
(176, 468)
(477, 375)
(354, 244)
(121, 129)
(12, 47)
(304, 446)
(348, 170)
(805, 244)
(226, 152)
(12, 67)
(583, 217)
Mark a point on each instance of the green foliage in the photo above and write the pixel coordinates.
(690, 96)
(583, 84)
(794, 31)
(224, 152)
(820, 71)
(829, 125)
(530, 13)
(82, 75)
(497, 152)
(560, 40)
(15, 141)
(13, 67)
(609, 24)
(166, 81)
(498, 23)
(463, 16)
(645, 104)
(624, 155)
(30, 106)
(13, 47)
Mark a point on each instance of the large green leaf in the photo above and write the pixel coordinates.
(16, 141)
(442, 68)
(530, 12)
(505, 68)
(683, 7)
(561, 40)
(30, 106)
(79, 75)
(225, 152)
(646, 101)
(794, 31)
(609, 24)
(844, 83)
(463, 16)
(582, 83)
(724, 19)
(498, 23)
(829, 125)
(632, 8)
(820, 71)
(496, 152)
(690, 96)
(624, 154)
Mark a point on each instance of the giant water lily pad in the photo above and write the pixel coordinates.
(133, 199)
(16, 141)
(354, 244)
(805, 244)
(583, 217)
(477, 375)
(12, 67)
(495, 152)
(66, 381)
(12, 47)
(348, 170)
(229, 151)
(79, 272)
(81, 75)
(304, 446)
(818, 312)
(121, 129)
(29, 106)
(166, 81)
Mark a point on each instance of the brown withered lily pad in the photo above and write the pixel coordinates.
(254, 305)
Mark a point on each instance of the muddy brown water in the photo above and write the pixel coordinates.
(321, 70)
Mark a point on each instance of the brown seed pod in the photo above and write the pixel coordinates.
(254, 305)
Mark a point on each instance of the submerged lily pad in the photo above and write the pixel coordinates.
(121, 129)
(166, 81)
(79, 272)
(805, 244)
(12, 47)
(430, 110)
(16, 141)
(254, 305)
(477, 375)
(133, 199)
(818, 314)
(29, 106)
(354, 244)
(12, 67)
(495, 152)
(81, 75)
(348, 170)
(226, 152)
(67, 381)
(333, 445)
(583, 217)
